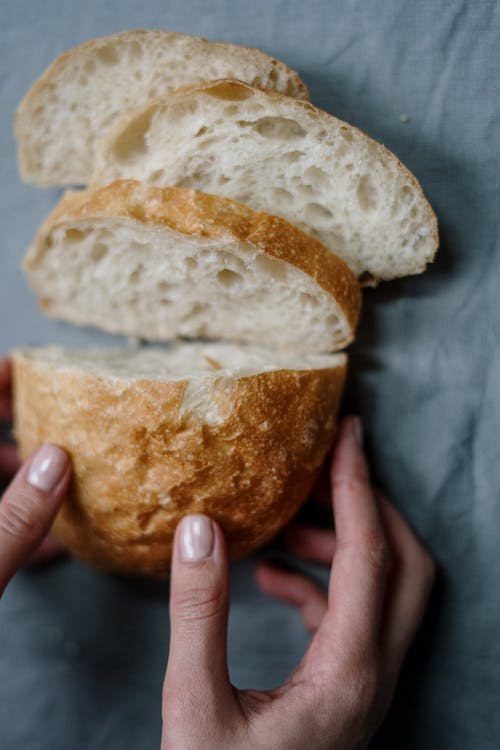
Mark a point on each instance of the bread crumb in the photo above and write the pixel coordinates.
(213, 363)
(404, 118)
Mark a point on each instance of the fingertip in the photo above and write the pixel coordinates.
(6, 412)
(351, 431)
(294, 589)
(270, 579)
(310, 542)
(28, 509)
(5, 372)
(348, 457)
(281, 583)
(47, 470)
(351, 426)
(261, 571)
(195, 538)
(355, 426)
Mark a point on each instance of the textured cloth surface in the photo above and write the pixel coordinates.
(82, 654)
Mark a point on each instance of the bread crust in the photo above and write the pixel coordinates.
(141, 460)
(201, 215)
(269, 66)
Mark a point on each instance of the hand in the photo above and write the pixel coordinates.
(337, 697)
(31, 501)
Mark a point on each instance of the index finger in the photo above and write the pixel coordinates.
(4, 374)
(29, 505)
(357, 581)
(5, 399)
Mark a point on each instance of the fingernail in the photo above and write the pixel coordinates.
(357, 430)
(47, 467)
(196, 538)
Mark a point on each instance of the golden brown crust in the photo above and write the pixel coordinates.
(199, 214)
(141, 462)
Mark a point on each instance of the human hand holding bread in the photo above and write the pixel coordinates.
(339, 693)
(238, 426)
(380, 582)
(31, 501)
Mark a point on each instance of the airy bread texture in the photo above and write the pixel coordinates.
(234, 432)
(159, 263)
(64, 113)
(283, 156)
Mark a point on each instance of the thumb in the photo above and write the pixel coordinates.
(197, 670)
(29, 506)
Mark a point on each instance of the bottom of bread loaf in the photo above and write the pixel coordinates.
(233, 431)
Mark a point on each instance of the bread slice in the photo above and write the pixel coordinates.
(160, 263)
(286, 157)
(234, 432)
(86, 89)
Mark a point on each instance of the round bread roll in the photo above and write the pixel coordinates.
(233, 431)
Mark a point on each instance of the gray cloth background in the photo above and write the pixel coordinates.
(82, 654)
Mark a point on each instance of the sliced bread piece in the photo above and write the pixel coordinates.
(159, 263)
(234, 432)
(286, 157)
(60, 119)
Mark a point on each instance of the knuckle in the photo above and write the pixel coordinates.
(178, 709)
(19, 514)
(199, 603)
(375, 551)
(362, 691)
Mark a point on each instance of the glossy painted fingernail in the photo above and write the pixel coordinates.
(47, 467)
(196, 538)
(357, 430)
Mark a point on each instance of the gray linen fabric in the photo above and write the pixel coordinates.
(82, 654)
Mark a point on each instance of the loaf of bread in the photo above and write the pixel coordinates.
(236, 432)
(159, 263)
(61, 117)
(260, 272)
(286, 157)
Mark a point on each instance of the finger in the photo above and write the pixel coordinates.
(293, 589)
(360, 562)
(310, 543)
(410, 586)
(322, 491)
(5, 396)
(9, 460)
(49, 549)
(199, 603)
(5, 407)
(5, 375)
(29, 506)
